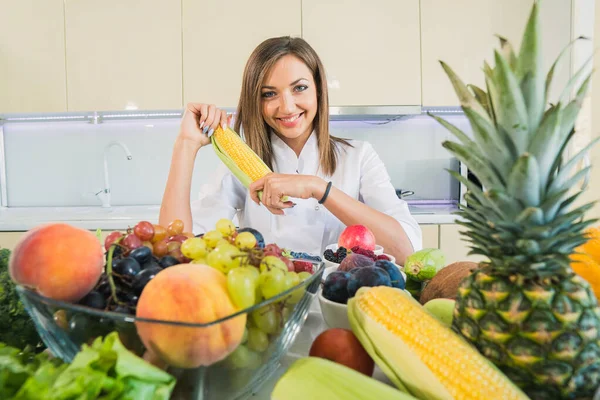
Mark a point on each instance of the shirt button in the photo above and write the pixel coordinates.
(317, 208)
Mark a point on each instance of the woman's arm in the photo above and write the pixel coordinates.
(198, 122)
(387, 230)
(176, 198)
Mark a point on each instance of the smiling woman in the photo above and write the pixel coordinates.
(283, 114)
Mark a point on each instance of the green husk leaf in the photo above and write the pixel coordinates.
(523, 181)
(529, 70)
(510, 108)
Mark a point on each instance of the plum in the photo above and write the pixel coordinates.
(355, 261)
(335, 287)
(393, 271)
(368, 276)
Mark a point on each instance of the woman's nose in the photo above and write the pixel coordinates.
(288, 105)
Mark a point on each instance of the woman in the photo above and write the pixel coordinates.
(332, 183)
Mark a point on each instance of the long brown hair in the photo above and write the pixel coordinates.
(249, 115)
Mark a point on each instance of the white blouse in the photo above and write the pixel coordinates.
(309, 226)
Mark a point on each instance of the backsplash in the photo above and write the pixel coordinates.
(62, 163)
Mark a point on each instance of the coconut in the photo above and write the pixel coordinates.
(444, 285)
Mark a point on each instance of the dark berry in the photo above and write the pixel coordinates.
(127, 266)
(330, 255)
(141, 254)
(168, 261)
(94, 299)
(151, 263)
(141, 280)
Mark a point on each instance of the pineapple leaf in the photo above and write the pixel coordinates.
(509, 205)
(566, 93)
(491, 144)
(546, 143)
(552, 202)
(529, 71)
(509, 105)
(531, 216)
(467, 100)
(563, 221)
(523, 181)
(471, 186)
(508, 53)
(563, 174)
(581, 174)
(460, 135)
(492, 92)
(472, 215)
(467, 155)
(550, 74)
(570, 111)
(482, 97)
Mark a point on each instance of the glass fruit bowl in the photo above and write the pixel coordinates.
(64, 327)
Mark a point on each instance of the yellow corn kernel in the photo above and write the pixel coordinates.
(240, 153)
(461, 369)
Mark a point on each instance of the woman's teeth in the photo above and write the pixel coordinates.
(291, 119)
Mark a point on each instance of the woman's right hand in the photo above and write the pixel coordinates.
(199, 122)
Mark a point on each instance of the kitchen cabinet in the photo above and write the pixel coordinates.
(371, 51)
(430, 236)
(462, 34)
(453, 246)
(32, 57)
(123, 54)
(8, 240)
(218, 38)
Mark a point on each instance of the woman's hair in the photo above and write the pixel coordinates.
(249, 111)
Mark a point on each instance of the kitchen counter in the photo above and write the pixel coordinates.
(121, 217)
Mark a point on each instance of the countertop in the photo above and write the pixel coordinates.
(122, 217)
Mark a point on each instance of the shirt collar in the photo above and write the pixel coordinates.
(285, 160)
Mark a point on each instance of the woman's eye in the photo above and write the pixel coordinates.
(267, 95)
(301, 88)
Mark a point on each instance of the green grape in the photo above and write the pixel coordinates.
(193, 248)
(245, 335)
(257, 340)
(242, 357)
(286, 313)
(272, 282)
(291, 279)
(211, 238)
(200, 260)
(272, 262)
(304, 275)
(220, 257)
(225, 227)
(241, 285)
(266, 318)
(245, 240)
(222, 242)
(239, 259)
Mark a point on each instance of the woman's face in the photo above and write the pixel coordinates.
(289, 98)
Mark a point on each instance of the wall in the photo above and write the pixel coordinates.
(61, 163)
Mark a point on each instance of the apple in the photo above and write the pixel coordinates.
(342, 346)
(357, 235)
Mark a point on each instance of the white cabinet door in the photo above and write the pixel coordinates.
(218, 38)
(32, 56)
(123, 54)
(453, 245)
(370, 49)
(462, 34)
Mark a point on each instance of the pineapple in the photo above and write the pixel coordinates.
(525, 309)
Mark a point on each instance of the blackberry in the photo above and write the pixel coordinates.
(340, 254)
(329, 255)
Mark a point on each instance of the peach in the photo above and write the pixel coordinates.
(357, 235)
(58, 261)
(343, 347)
(195, 294)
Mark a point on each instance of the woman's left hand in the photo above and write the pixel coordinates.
(276, 186)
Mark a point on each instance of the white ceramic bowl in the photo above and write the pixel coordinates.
(334, 314)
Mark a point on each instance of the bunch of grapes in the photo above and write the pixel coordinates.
(255, 272)
(133, 258)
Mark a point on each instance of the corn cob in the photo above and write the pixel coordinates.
(318, 378)
(420, 355)
(232, 145)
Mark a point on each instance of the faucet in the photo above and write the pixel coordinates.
(104, 194)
